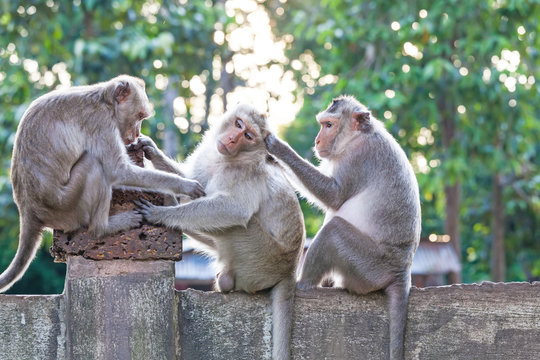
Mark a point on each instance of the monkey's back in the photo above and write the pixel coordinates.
(54, 132)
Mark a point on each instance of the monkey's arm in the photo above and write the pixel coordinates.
(157, 157)
(215, 212)
(325, 188)
(129, 174)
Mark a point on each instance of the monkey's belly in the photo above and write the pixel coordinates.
(357, 212)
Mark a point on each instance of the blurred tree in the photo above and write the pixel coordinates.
(456, 84)
(45, 44)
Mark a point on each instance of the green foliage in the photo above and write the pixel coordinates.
(421, 66)
(418, 65)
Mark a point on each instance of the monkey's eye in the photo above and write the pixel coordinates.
(328, 124)
(248, 136)
(238, 123)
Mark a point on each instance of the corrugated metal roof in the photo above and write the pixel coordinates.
(435, 258)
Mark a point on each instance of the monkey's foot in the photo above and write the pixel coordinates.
(124, 221)
(148, 210)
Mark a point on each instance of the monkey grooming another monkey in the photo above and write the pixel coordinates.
(69, 151)
(370, 194)
(250, 220)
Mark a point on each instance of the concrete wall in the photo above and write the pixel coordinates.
(489, 321)
(32, 327)
(128, 310)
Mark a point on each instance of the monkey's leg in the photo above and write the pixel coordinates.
(318, 261)
(364, 268)
(203, 239)
(341, 247)
(67, 194)
(95, 205)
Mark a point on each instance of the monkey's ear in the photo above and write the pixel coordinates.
(121, 92)
(361, 120)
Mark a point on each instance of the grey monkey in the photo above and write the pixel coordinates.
(69, 152)
(250, 220)
(370, 196)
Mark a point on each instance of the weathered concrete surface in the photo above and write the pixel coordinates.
(120, 309)
(489, 321)
(31, 327)
(224, 326)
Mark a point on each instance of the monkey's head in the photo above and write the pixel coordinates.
(242, 130)
(131, 105)
(344, 119)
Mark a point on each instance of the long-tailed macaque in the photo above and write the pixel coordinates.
(69, 151)
(250, 219)
(370, 194)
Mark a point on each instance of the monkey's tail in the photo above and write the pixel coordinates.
(398, 298)
(282, 296)
(29, 241)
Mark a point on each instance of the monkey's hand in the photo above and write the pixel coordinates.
(192, 188)
(149, 211)
(149, 147)
(275, 146)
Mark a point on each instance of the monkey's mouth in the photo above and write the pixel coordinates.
(322, 152)
(222, 148)
(129, 141)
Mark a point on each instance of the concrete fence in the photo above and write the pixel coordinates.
(123, 309)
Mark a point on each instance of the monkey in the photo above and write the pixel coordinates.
(370, 196)
(69, 151)
(250, 220)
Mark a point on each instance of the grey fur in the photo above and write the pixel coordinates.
(250, 221)
(69, 151)
(372, 227)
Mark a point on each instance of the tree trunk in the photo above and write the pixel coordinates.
(451, 191)
(170, 136)
(451, 226)
(498, 266)
(227, 80)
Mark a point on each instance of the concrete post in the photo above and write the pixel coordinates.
(120, 309)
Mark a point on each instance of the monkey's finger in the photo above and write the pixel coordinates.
(270, 141)
(198, 192)
(144, 201)
(143, 204)
(149, 151)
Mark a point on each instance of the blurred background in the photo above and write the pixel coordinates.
(454, 82)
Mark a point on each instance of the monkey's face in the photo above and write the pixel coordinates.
(133, 106)
(238, 134)
(324, 142)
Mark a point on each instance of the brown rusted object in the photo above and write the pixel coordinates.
(147, 242)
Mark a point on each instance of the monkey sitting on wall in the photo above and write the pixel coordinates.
(370, 194)
(250, 220)
(69, 151)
